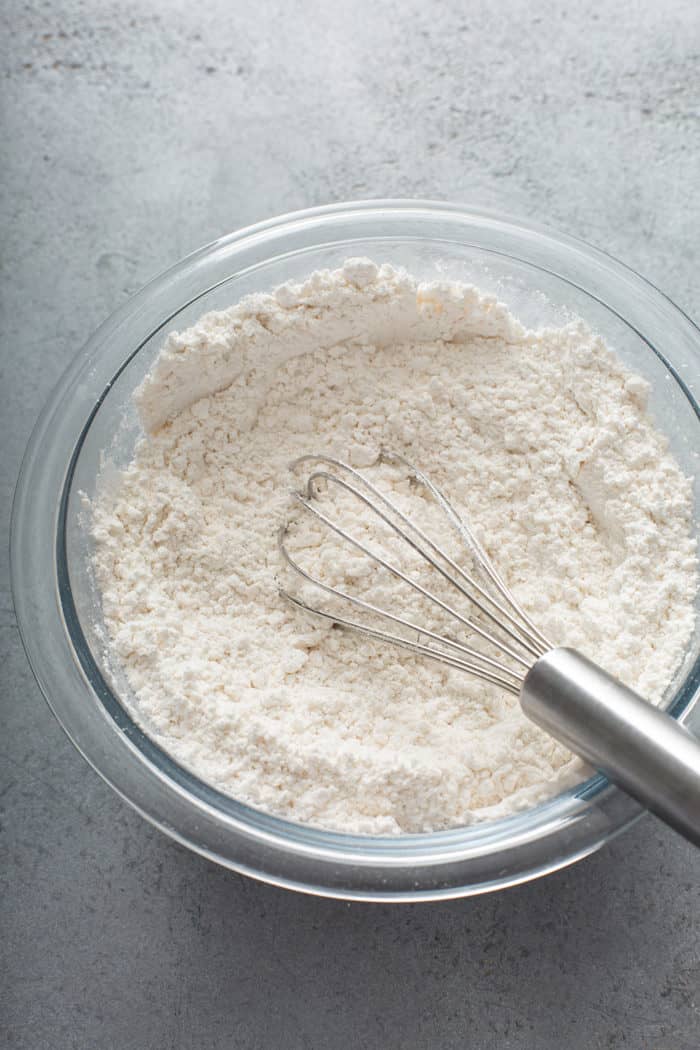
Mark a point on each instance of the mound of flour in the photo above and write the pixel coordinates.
(540, 437)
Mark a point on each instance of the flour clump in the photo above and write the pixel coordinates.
(540, 437)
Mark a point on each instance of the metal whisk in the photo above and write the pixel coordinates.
(640, 748)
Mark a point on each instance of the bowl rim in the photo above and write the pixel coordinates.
(419, 852)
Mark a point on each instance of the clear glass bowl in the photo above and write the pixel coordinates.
(545, 277)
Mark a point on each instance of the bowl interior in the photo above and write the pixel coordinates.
(535, 294)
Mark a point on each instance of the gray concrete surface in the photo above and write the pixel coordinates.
(133, 132)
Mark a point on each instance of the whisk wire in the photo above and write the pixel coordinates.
(493, 665)
(472, 543)
(399, 574)
(503, 612)
(529, 644)
(517, 618)
(414, 647)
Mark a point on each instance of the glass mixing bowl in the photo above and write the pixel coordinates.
(545, 277)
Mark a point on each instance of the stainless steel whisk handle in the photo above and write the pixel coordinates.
(640, 748)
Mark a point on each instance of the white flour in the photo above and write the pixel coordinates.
(541, 438)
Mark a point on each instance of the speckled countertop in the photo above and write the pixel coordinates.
(134, 132)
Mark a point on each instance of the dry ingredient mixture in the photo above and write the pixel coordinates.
(540, 437)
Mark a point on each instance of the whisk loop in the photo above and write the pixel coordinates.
(504, 625)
